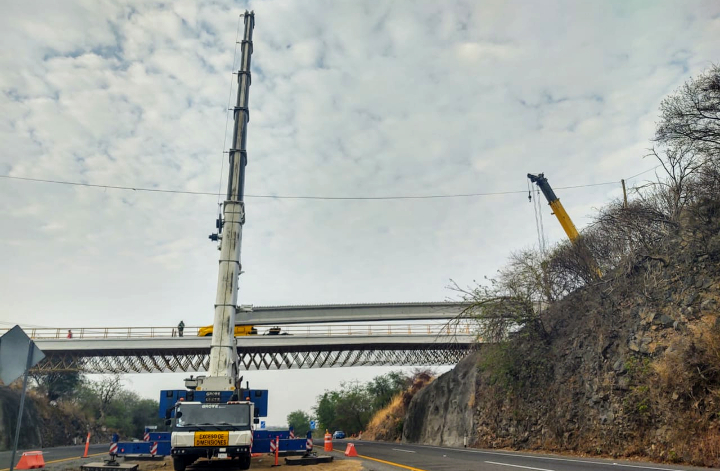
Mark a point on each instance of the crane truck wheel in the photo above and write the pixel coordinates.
(244, 462)
(179, 463)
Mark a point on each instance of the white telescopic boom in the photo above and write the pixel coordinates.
(222, 372)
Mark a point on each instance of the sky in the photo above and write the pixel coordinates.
(362, 98)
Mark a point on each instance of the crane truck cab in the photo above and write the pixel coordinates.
(216, 431)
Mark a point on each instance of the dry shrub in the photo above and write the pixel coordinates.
(419, 381)
(387, 423)
(683, 392)
(707, 449)
(690, 369)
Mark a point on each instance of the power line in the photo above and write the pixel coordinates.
(112, 187)
(302, 197)
(642, 173)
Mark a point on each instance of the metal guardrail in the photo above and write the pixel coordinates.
(311, 330)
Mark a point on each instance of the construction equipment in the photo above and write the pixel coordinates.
(223, 429)
(240, 330)
(214, 417)
(562, 216)
(555, 205)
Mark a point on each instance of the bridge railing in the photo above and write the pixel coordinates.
(309, 330)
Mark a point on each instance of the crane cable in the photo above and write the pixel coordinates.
(227, 120)
(540, 232)
(540, 216)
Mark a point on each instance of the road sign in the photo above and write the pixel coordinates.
(17, 355)
(14, 354)
(262, 424)
(313, 425)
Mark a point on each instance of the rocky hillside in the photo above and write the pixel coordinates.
(30, 431)
(44, 424)
(627, 366)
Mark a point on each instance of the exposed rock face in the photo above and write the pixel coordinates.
(30, 432)
(630, 366)
(442, 413)
(44, 425)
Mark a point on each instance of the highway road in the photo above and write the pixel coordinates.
(56, 454)
(379, 456)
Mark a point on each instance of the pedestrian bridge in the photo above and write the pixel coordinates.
(158, 349)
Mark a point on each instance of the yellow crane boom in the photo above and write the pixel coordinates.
(555, 205)
(561, 215)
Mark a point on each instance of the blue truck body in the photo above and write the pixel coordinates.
(170, 397)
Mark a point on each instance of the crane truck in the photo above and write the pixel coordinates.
(221, 426)
(562, 216)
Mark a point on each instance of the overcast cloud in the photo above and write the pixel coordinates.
(360, 98)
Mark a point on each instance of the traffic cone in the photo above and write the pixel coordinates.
(87, 446)
(350, 450)
(328, 441)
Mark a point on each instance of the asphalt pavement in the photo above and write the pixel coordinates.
(381, 456)
(53, 454)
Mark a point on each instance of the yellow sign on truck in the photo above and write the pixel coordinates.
(211, 438)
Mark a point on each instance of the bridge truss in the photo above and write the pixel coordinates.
(149, 361)
(261, 353)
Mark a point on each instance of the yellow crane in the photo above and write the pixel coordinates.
(561, 215)
(555, 205)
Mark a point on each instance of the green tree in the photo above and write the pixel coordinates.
(383, 388)
(354, 408)
(325, 409)
(57, 385)
(300, 422)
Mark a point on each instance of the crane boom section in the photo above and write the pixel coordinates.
(565, 220)
(563, 217)
(223, 367)
(555, 205)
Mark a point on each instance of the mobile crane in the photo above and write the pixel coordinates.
(562, 216)
(220, 426)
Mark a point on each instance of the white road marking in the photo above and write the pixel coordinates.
(601, 463)
(517, 466)
(406, 451)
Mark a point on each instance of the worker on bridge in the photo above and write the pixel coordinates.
(181, 327)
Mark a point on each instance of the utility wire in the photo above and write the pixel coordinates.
(304, 197)
(299, 197)
(644, 172)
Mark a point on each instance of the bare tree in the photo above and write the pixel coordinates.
(107, 389)
(690, 118)
(682, 166)
(512, 301)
